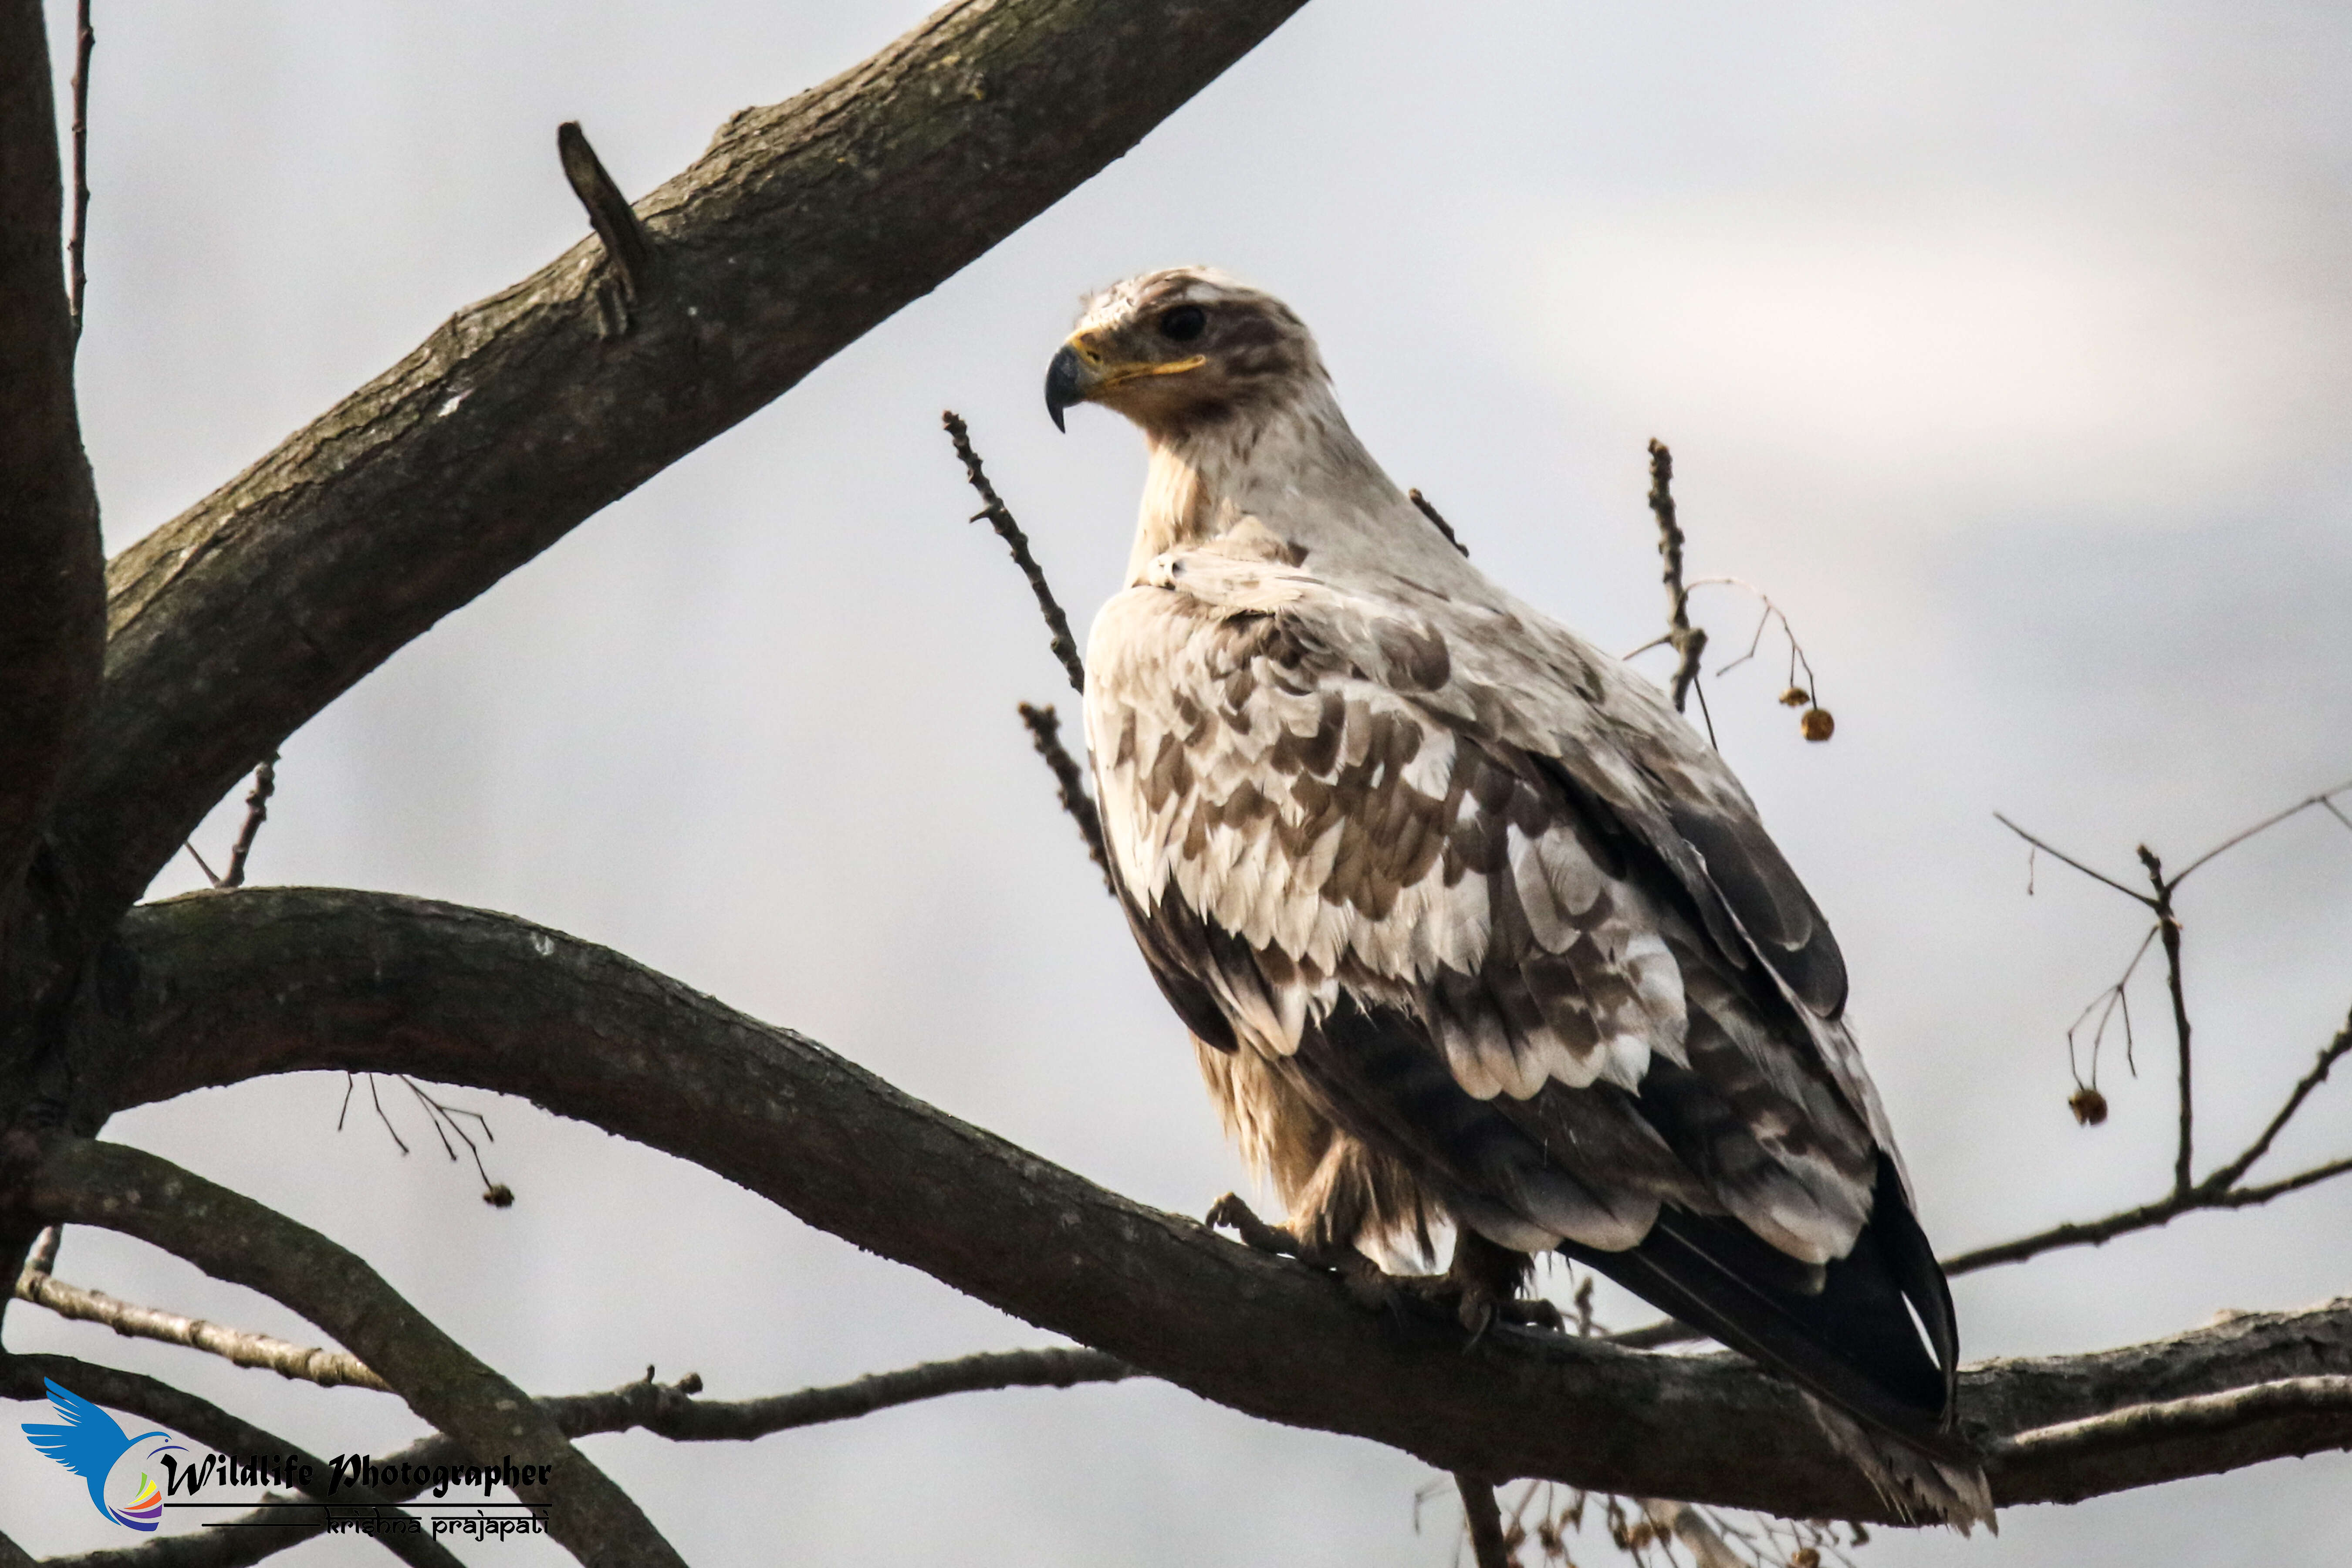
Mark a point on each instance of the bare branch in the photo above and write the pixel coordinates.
(21, 1377)
(627, 248)
(1069, 782)
(668, 1411)
(77, 275)
(234, 1238)
(2167, 926)
(1000, 518)
(43, 1256)
(1432, 513)
(257, 812)
(50, 560)
(2131, 893)
(805, 225)
(671, 1411)
(459, 997)
(1688, 642)
(2324, 800)
(1484, 1521)
(328, 1369)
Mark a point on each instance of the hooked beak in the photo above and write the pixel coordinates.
(1079, 372)
(1066, 383)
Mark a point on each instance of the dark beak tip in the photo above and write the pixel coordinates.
(1064, 387)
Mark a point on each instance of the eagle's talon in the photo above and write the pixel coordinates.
(1229, 1213)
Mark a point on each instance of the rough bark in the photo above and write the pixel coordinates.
(50, 561)
(219, 987)
(234, 1238)
(802, 227)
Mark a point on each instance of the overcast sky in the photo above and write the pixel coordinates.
(2008, 346)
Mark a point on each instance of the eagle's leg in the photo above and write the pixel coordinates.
(1485, 1282)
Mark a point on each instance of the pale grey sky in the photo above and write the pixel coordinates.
(2006, 344)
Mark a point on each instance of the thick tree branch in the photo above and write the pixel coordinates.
(219, 987)
(50, 561)
(804, 225)
(21, 1378)
(234, 1238)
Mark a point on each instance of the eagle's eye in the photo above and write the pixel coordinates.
(1184, 323)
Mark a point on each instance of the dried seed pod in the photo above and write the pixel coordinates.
(1804, 1557)
(498, 1196)
(1795, 696)
(1816, 724)
(2089, 1106)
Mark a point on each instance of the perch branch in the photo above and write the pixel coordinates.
(464, 997)
(1000, 518)
(1069, 782)
(232, 1237)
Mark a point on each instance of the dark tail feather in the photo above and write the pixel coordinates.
(1851, 1341)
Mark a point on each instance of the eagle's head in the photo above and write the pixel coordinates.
(1181, 350)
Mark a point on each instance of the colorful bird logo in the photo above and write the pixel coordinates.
(90, 1444)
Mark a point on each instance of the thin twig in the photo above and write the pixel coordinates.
(2132, 893)
(77, 283)
(2324, 800)
(443, 1116)
(257, 812)
(1485, 1521)
(2167, 926)
(1000, 518)
(1688, 642)
(2329, 1054)
(627, 248)
(1070, 781)
(328, 1369)
(1432, 513)
(401, 1143)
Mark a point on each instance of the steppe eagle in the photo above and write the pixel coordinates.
(1468, 925)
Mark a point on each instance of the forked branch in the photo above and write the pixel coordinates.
(234, 1238)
